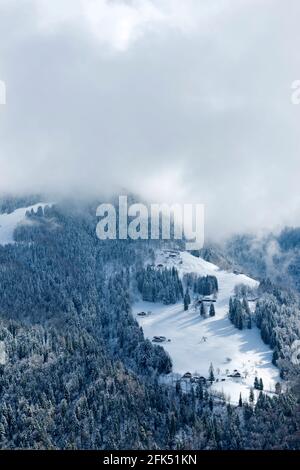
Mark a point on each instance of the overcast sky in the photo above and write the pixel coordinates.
(181, 100)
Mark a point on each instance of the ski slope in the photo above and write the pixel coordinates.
(196, 342)
(9, 222)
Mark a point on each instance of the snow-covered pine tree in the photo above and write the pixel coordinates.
(212, 310)
(211, 376)
(186, 300)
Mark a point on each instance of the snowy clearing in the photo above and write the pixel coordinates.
(9, 222)
(196, 342)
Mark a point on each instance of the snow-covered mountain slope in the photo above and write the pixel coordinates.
(9, 222)
(196, 342)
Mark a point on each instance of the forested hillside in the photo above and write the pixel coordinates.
(75, 369)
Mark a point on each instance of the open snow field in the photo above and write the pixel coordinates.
(8, 222)
(197, 342)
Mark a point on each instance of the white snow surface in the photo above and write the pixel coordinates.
(9, 222)
(196, 342)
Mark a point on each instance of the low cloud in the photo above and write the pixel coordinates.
(179, 101)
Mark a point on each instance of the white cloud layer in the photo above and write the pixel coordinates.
(180, 100)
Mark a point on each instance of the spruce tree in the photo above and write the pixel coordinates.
(212, 310)
(240, 324)
(199, 391)
(231, 309)
(275, 357)
(211, 373)
(238, 315)
(172, 426)
(240, 401)
(246, 306)
(202, 310)
(186, 300)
